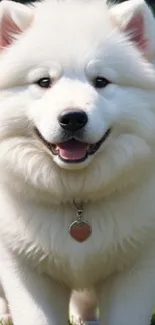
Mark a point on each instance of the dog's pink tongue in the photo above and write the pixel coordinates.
(72, 149)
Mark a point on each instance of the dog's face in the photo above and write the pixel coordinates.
(77, 95)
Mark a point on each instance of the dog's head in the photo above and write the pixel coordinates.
(77, 95)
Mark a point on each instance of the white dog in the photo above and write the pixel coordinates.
(77, 161)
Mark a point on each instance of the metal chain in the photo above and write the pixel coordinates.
(79, 210)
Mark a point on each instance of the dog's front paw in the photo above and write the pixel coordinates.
(79, 322)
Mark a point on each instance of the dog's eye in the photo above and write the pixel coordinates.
(100, 82)
(44, 82)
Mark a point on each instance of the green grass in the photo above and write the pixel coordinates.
(152, 322)
(6, 323)
(9, 323)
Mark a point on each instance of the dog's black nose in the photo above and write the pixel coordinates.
(72, 120)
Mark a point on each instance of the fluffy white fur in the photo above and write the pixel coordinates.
(74, 41)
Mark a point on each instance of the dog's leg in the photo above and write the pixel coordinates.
(5, 316)
(83, 307)
(33, 299)
(129, 298)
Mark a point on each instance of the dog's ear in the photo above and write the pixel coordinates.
(135, 18)
(14, 19)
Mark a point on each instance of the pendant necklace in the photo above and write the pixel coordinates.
(79, 229)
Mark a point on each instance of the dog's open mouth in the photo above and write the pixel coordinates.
(73, 151)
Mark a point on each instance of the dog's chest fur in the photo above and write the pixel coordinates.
(41, 235)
